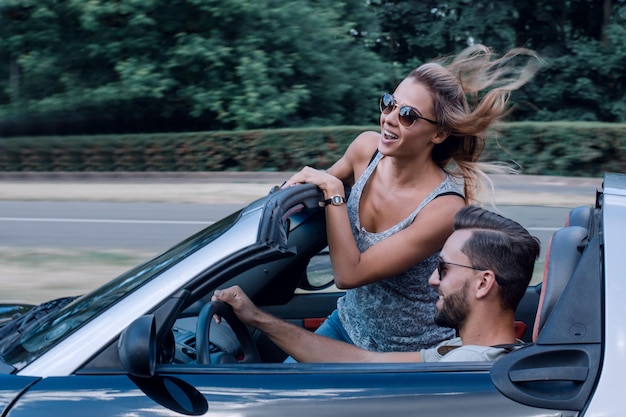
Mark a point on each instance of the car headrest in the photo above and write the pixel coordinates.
(562, 257)
(579, 216)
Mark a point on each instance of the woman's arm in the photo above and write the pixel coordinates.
(393, 255)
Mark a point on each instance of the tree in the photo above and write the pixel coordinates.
(582, 42)
(415, 32)
(584, 79)
(163, 65)
(190, 64)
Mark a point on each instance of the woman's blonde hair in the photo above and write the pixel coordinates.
(470, 93)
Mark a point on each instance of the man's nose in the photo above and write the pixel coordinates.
(434, 279)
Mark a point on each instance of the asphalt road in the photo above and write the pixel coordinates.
(153, 211)
(98, 225)
(63, 234)
(157, 226)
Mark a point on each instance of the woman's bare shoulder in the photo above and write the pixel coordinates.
(368, 139)
(360, 151)
(363, 146)
(355, 159)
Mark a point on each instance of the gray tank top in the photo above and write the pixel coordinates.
(395, 314)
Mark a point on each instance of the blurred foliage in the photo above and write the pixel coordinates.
(586, 149)
(158, 65)
(582, 41)
(100, 66)
(244, 150)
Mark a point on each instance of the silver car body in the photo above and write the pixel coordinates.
(605, 400)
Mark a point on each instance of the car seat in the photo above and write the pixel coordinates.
(562, 256)
(579, 216)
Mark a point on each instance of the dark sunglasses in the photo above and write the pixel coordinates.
(407, 115)
(441, 270)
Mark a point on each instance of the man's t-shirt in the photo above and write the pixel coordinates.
(453, 350)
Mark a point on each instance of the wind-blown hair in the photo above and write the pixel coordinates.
(470, 93)
(502, 246)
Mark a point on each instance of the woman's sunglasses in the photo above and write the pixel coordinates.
(407, 115)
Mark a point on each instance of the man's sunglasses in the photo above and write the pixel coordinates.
(407, 115)
(441, 270)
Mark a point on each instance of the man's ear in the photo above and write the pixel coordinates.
(486, 284)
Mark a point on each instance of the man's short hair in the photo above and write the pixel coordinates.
(502, 246)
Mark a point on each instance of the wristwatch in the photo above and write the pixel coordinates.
(335, 200)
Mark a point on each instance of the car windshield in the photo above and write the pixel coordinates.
(22, 347)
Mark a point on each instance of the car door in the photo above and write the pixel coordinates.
(11, 387)
(316, 390)
(554, 376)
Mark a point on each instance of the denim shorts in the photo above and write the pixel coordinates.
(332, 328)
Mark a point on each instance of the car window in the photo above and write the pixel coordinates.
(320, 271)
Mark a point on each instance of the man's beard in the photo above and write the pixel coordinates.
(454, 309)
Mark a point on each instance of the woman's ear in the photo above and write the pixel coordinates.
(441, 135)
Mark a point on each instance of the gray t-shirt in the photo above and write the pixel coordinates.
(395, 314)
(454, 351)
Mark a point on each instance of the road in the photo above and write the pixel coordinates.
(157, 226)
(97, 225)
(63, 234)
(154, 210)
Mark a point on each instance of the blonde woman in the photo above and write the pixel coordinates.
(407, 182)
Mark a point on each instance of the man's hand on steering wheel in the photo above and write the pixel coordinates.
(242, 306)
(217, 308)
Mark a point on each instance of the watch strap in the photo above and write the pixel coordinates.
(335, 200)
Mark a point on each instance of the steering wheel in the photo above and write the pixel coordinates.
(203, 327)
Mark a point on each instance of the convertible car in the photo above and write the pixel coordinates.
(145, 343)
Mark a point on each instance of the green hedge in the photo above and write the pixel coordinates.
(253, 150)
(553, 148)
(575, 149)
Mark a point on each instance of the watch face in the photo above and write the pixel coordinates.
(337, 200)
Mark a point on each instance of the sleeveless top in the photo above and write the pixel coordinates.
(397, 313)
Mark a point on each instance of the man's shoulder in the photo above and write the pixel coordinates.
(436, 353)
(469, 353)
(453, 350)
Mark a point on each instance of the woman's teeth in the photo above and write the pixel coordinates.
(389, 135)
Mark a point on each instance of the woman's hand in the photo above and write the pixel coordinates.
(326, 182)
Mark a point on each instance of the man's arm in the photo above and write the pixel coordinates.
(301, 344)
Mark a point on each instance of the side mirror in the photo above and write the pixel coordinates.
(137, 347)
